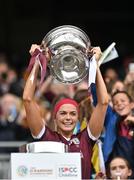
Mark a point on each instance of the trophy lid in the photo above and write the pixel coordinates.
(45, 146)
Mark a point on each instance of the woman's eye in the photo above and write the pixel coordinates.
(113, 168)
(73, 113)
(122, 167)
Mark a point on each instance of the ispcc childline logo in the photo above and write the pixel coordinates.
(68, 170)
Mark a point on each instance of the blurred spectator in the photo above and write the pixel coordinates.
(118, 85)
(10, 106)
(15, 83)
(119, 168)
(129, 83)
(129, 78)
(10, 129)
(113, 86)
(110, 74)
(3, 74)
(9, 81)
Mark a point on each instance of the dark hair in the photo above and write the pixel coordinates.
(122, 92)
(58, 98)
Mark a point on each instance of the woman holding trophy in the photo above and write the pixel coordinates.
(65, 113)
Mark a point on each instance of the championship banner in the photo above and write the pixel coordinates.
(44, 166)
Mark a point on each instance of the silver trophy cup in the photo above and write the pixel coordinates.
(69, 57)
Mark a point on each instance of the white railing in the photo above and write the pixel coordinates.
(9, 144)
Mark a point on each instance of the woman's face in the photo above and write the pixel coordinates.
(66, 119)
(119, 169)
(121, 104)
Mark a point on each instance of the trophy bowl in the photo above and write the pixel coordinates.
(69, 60)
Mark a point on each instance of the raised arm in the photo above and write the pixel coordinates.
(97, 118)
(33, 114)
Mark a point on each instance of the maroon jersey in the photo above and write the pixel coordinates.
(78, 143)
